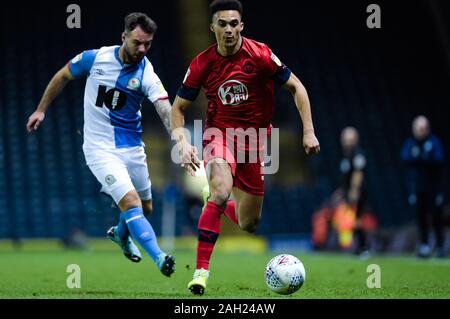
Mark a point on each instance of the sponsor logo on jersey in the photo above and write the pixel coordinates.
(232, 92)
(77, 58)
(114, 99)
(275, 59)
(133, 84)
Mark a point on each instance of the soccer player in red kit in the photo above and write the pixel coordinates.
(237, 75)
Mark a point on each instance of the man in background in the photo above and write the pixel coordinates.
(424, 157)
(352, 167)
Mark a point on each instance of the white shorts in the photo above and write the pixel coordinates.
(120, 171)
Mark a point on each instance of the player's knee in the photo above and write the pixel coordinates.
(219, 193)
(130, 200)
(219, 197)
(249, 225)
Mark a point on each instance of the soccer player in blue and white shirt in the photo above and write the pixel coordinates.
(118, 80)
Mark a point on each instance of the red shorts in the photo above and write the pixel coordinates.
(248, 176)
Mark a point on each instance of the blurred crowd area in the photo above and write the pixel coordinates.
(375, 80)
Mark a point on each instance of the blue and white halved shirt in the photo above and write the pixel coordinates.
(113, 96)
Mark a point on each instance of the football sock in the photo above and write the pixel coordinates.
(230, 211)
(208, 232)
(141, 231)
(122, 229)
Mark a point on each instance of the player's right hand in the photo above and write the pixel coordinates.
(189, 159)
(35, 120)
(310, 143)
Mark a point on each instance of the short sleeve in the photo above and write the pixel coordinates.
(81, 65)
(192, 82)
(192, 78)
(153, 87)
(272, 66)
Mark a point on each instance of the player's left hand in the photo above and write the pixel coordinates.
(310, 143)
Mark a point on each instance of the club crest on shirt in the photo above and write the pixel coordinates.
(133, 84)
(248, 67)
(232, 92)
(275, 59)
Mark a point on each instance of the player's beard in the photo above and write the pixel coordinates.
(130, 58)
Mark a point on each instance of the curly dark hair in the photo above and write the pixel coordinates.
(219, 5)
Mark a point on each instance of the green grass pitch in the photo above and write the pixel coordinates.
(107, 274)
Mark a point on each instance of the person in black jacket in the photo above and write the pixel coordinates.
(424, 156)
(352, 166)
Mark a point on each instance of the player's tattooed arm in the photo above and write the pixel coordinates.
(164, 110)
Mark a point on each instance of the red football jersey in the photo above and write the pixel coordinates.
(239, 88)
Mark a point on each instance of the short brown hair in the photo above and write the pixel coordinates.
(134, 19)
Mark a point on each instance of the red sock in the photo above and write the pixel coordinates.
(230, 211)
(208, 231)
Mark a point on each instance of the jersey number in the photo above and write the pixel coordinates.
(113, 99)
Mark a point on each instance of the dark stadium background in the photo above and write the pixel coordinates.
(374, 79)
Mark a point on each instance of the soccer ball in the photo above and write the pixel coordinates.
(285, 274)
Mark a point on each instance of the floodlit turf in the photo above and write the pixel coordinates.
(107, 274)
